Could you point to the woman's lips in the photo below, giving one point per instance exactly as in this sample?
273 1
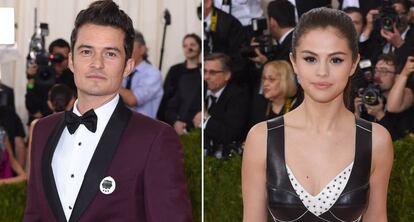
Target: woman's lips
322 85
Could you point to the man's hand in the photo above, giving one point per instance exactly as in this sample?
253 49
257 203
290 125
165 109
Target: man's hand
370 16
197 120
376 110
408 67
180 127
394 38
357 106
260 58
366 33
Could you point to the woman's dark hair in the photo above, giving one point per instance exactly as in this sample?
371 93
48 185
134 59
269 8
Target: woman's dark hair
324 18
106 13
60 96
195 37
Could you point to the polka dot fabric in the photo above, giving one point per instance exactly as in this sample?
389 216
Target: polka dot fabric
325 199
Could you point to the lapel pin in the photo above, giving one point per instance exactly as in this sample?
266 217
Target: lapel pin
107 185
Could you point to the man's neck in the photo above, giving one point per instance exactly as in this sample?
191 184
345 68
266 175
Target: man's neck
88 102
282 32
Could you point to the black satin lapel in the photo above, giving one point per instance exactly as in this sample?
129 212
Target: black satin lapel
49 185
101 159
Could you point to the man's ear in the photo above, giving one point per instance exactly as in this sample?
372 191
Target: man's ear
128 67
70 62
272 22
355 65
49 104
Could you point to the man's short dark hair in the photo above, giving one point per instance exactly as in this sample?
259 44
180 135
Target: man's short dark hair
58 43
106 13
222 58
389 59
283 12
352 9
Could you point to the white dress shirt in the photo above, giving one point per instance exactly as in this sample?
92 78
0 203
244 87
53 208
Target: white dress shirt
350 3
74 153
243 10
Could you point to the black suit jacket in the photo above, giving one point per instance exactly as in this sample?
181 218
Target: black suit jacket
285 48
228 117
228 39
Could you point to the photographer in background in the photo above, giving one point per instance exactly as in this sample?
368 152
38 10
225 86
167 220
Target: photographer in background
388 31
401 95
371 104
40 79
281 22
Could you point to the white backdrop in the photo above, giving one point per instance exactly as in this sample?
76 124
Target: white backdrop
60 15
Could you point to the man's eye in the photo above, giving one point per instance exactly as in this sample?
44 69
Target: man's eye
309 59
85 52
111 54
336 60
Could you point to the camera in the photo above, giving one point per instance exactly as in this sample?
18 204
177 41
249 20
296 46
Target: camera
264 41
38 55
387 16
372 92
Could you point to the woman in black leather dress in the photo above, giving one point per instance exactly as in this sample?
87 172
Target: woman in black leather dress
318 162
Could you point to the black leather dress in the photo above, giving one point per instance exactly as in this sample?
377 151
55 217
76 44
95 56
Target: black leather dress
283 202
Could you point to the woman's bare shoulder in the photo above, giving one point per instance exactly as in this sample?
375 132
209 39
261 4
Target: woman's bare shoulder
256 139
382 147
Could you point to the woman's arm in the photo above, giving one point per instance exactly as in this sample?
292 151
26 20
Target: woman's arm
254 175
21 175
382 159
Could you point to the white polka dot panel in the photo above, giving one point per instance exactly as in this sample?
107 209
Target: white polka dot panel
325 199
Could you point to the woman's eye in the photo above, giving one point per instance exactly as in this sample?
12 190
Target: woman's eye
336 60
310 59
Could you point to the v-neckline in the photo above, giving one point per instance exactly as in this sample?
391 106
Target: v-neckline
343 171
353 160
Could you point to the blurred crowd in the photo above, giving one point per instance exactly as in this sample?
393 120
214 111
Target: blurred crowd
249 77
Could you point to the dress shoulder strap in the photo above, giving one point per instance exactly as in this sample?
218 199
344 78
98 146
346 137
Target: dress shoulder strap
363 154
275 158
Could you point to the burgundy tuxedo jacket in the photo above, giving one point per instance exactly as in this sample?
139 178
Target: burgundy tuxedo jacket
143 156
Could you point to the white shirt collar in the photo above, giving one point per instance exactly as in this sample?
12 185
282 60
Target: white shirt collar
284 36
217 94
207 20
103 112
403 34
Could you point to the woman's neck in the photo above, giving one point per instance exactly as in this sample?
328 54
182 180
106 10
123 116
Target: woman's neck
277 104
323 117
192 63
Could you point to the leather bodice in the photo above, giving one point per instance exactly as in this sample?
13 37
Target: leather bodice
283 202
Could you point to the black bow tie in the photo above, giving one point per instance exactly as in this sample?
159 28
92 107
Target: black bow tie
89 119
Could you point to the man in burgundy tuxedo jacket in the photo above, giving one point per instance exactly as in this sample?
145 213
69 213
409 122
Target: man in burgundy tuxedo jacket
103 162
